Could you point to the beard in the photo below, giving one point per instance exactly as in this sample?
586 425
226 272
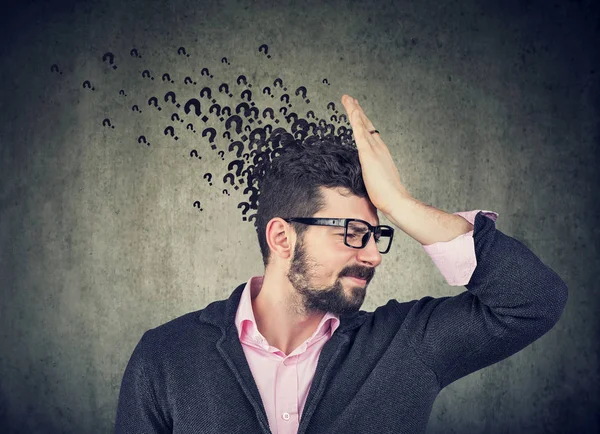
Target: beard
344 297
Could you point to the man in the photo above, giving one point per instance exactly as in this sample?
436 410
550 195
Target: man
291 352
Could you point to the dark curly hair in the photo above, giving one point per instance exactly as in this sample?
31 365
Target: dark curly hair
289 183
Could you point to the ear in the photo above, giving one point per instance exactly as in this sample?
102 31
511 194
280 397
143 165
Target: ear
281 238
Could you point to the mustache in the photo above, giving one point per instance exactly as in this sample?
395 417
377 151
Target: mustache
366 275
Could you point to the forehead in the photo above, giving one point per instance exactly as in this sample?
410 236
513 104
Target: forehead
341 203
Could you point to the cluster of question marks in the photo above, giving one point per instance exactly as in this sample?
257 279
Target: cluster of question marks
170 97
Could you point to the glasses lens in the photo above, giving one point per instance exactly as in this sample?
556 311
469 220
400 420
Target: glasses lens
357 233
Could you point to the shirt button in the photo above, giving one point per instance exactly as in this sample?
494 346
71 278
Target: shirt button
286 416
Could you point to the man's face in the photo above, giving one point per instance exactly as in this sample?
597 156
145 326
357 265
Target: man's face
321 264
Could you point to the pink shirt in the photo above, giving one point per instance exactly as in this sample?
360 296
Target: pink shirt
284 380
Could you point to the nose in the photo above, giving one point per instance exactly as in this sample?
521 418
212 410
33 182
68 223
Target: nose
370 253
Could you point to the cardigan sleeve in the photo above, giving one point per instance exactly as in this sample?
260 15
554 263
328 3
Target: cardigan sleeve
137 409
512 299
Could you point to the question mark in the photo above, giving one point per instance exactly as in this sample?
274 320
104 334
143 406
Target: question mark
209 176
266 50
110 56
106 122
302 90
246 206
54 68
197 202
181 50
89 85
155 100
326 81
143 139
221 155
172 131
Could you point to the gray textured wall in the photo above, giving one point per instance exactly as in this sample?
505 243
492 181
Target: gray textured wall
484 105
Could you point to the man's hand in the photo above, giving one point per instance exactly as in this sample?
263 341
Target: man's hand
379 172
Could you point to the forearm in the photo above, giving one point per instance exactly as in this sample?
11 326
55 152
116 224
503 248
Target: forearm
424 223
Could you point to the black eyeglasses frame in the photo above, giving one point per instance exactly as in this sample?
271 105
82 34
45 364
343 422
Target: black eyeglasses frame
321 221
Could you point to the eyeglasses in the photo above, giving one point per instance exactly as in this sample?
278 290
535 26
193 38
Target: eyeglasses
356 232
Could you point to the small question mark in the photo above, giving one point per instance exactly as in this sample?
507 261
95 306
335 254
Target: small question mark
89 85
266 50
197 202
54 68
226 192
111 56
181 50
106 123
221 154
155 100
224 60
143 139
135 108
209 176
122 92
171 130
195 153
326 81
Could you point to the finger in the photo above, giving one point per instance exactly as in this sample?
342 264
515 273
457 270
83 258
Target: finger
365 120
374 139
356 121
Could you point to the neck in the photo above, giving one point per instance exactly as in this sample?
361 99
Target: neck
279 314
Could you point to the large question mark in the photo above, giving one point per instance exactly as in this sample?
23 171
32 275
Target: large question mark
246 206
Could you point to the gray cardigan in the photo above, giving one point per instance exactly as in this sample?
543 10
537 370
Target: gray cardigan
379 373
